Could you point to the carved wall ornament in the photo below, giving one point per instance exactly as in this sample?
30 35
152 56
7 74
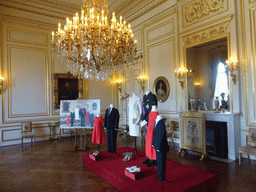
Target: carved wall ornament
210 33
201 9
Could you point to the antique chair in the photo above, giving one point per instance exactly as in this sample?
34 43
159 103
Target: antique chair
171 126
250 148
26 132
123 132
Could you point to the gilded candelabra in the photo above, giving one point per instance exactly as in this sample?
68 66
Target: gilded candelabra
142 80
232 67
181 75
93 48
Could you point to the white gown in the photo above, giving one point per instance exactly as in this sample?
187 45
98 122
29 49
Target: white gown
135 108
77 114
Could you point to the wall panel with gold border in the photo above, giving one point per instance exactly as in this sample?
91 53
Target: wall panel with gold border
161 57
248 20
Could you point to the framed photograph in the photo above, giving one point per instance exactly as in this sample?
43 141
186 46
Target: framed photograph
66 87
78 113
161 89
26 127
193 132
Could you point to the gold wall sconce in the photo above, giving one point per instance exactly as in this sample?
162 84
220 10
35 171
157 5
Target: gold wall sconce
1 83
232 66
181 75
118 83
142 80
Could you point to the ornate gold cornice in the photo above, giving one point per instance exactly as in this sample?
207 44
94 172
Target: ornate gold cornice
210 33
148 10
31 11
201 9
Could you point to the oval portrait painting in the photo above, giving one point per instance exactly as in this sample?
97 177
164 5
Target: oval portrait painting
161 89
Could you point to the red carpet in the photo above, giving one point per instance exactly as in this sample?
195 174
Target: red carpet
182 177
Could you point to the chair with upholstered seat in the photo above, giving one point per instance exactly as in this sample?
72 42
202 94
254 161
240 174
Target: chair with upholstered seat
250 148
26 132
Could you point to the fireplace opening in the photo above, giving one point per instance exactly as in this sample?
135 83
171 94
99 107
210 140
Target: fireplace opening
216 139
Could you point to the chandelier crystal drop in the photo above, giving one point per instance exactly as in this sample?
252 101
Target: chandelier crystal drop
91 48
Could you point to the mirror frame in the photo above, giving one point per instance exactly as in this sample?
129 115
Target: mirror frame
185 47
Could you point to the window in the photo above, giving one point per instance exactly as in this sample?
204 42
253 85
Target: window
221 82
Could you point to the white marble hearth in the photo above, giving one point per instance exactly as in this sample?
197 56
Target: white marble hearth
233 130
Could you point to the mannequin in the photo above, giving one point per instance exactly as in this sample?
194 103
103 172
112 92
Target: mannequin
149 99
161 146
134 115
82 114
111 122
77 115
98 135
150 151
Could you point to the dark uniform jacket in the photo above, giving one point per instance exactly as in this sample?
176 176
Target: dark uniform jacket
148 101
111 121
160 139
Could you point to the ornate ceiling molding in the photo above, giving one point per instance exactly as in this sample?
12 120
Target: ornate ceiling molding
210 33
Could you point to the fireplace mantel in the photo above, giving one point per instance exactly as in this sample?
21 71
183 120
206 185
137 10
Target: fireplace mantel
233 129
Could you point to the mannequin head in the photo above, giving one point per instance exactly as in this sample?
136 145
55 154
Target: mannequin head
153 108
147 92
158 118
111 105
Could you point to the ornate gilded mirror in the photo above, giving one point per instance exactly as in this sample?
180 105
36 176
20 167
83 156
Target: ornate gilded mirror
210 80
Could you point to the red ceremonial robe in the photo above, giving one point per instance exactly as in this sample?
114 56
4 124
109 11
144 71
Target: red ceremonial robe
150 151
98 135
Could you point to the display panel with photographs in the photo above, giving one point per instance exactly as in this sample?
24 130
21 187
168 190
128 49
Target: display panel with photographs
78 113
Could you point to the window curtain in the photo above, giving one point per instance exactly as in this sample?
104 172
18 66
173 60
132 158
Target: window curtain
216 56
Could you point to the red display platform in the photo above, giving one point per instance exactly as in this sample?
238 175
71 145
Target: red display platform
95 158
182 177
133 176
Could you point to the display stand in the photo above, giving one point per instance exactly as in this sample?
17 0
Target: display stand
113 155
135 149
162 182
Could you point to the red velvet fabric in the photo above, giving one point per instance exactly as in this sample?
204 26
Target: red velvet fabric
182 177
150 151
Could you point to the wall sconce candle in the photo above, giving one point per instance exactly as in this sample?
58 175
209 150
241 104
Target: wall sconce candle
119 84
181 74
142 80
232 67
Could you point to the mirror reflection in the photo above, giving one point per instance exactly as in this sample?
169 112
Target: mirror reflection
208 88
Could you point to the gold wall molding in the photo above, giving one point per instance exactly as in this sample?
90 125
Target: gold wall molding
14 139
148 10
46 7
172 41
252 1
167 112
9 83
17 38
157 27
21 21
207 35
200 10
31 11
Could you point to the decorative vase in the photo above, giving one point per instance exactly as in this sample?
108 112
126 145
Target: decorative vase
192 104
217 103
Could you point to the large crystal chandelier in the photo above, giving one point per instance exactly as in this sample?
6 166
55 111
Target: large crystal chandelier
91 47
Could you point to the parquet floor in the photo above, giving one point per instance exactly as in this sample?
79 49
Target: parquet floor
55 166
